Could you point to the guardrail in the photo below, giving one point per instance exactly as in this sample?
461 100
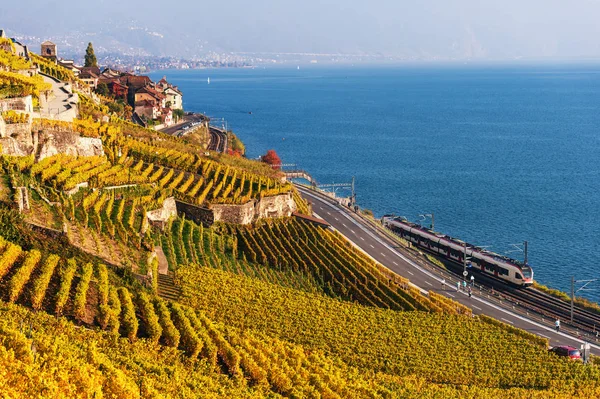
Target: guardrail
495 297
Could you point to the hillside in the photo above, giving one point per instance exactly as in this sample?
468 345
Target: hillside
157 269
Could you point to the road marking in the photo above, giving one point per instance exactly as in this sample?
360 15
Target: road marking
353 232
409 272
369 233
476 307
344 224
449 294
382 254
427 282
394 263
508 321
371 246
329 213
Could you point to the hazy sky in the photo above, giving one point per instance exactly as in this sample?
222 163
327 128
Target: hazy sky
486 29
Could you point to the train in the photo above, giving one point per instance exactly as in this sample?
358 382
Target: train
452 249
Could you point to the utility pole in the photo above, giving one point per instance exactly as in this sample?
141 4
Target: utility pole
525 251
432 221
572 296
353 193
582 288
465 262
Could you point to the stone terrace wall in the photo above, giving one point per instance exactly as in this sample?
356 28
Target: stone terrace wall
268 207
238 214
24 104
198 214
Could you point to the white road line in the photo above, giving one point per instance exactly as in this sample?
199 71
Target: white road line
542 335
427 282
394 262
508 321
371 246
382 254
449 294
481 300
344 224
339 219
329 213
353 232
475 307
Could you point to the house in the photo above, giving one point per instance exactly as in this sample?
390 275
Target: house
148 93
147 109
172 93
166 117
133 83
89 75
174 97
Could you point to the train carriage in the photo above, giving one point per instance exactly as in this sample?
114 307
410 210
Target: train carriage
487 262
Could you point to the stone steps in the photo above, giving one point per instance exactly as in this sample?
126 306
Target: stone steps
167 288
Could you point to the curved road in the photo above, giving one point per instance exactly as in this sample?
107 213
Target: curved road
386 252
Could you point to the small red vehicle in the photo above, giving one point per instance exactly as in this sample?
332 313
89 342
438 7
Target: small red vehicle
566 351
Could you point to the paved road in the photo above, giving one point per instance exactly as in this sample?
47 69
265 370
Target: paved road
62 105
385 251
182 127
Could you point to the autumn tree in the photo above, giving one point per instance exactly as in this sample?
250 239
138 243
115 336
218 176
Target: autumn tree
90 57
272 159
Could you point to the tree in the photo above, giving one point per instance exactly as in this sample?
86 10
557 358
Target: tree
102 89
272 159
90 57
178 114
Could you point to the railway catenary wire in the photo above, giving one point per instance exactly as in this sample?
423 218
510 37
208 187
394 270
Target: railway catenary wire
530 299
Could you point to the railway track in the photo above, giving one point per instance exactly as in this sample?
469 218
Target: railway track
218 140
532 301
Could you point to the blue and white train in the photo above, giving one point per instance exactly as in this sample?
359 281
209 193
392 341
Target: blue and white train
499 266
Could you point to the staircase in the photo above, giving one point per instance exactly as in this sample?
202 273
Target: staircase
167 288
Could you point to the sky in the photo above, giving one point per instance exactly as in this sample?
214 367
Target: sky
432 29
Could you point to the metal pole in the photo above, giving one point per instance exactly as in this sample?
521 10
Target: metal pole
432 221
353 194
525 250
465 261
572 296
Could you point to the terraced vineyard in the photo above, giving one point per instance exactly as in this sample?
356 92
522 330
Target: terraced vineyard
442 348
187 243
345 272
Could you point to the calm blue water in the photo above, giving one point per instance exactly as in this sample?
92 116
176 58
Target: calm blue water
500 155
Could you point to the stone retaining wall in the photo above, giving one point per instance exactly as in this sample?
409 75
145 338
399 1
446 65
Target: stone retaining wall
269 207
196 213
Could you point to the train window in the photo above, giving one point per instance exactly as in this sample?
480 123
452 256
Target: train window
502 271
518 276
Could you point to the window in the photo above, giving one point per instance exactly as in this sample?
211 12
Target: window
502 271
518 276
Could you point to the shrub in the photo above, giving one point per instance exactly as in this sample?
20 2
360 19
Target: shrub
40 285
80 299
129 323
149 317
66 278
170 335
192 345
21 277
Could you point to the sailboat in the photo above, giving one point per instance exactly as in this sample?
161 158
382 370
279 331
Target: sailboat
208 81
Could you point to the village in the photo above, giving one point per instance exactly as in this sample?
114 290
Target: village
156 105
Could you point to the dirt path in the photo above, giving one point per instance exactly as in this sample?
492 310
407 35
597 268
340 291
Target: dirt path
163 265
